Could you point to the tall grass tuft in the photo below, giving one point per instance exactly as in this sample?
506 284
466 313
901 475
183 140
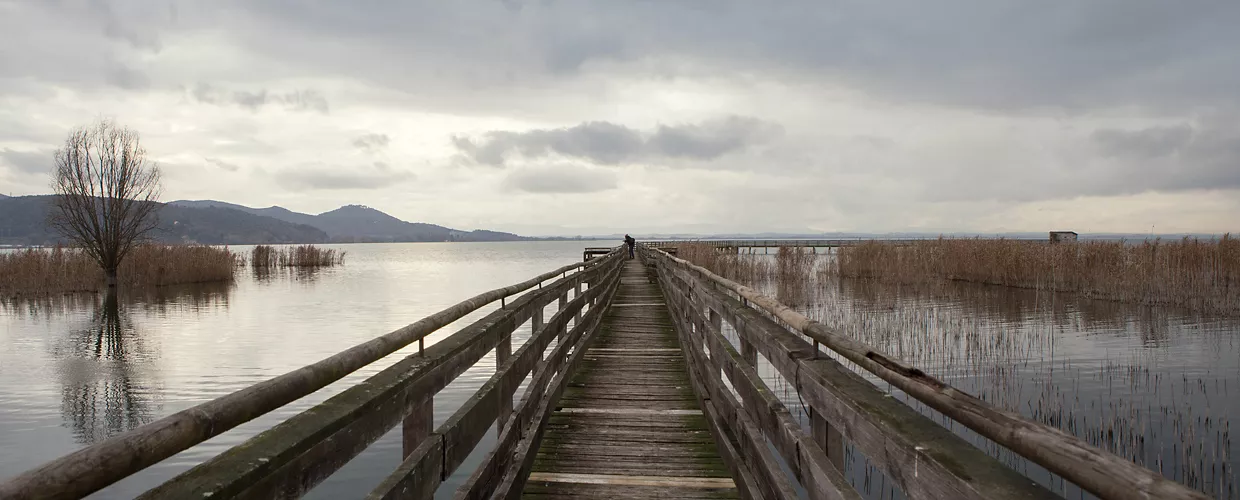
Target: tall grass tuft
266 257
1203 275
40 271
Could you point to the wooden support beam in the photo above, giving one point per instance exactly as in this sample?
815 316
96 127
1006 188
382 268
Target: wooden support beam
502 352
417 426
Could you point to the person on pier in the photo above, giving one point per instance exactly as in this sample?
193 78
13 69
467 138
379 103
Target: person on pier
630 242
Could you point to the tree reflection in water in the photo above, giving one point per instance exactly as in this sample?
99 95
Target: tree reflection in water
103 391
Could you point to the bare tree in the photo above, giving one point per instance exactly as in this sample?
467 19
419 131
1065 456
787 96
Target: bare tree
106 192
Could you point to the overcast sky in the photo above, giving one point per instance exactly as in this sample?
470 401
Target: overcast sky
567 117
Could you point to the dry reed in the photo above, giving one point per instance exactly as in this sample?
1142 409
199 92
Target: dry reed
1200 274
748 269
266 256
789 274
40 271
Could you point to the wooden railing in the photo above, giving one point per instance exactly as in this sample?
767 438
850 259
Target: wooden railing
802 243
297 454
924 459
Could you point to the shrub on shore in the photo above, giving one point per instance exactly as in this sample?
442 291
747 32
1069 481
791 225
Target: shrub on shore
40 271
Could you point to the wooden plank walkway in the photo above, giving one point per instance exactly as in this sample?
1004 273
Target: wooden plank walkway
628 424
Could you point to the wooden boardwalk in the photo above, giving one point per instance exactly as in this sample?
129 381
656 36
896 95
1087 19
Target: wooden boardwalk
628 424
616 408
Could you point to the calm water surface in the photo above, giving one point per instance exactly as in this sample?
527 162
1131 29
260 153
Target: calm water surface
1158 386
71 375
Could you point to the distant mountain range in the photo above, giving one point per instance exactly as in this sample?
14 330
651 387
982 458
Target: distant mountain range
359 223
23 221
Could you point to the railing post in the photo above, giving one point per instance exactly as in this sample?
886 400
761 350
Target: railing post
503 351
563 306
748 352
577 293
828 437
417 425
536 324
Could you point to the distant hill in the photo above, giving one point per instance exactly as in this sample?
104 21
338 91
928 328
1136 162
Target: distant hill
358 223
23 221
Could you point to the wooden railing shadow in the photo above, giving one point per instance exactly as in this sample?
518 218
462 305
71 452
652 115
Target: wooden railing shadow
289 459
923 458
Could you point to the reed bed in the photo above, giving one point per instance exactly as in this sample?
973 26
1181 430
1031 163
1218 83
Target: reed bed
42 271
266 256
1203 275
743 268
789 274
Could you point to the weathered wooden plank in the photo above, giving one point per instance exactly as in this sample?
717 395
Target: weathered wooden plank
87 470
417 425
482 482
525 451
559 490
618 480
465 428
809 461
597 430
417 477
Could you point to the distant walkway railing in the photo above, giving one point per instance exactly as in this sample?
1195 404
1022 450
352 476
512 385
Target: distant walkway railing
795 243
924 459
295 455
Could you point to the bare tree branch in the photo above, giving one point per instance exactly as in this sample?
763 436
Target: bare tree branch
106 193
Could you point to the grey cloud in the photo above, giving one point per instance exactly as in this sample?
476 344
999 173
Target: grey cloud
1108 162
372 142
712 139
297 100
230 167
323 177
136 23
28 162
1144 144
991 54
127 78
1172 158
610 144
560 179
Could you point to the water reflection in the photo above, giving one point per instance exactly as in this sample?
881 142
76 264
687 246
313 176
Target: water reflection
105 382
305 275
159 300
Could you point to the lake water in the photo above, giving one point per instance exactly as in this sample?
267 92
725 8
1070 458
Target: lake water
1156 385
70 376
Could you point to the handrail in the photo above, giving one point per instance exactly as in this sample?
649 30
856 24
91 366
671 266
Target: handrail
1101 473
92 468
445 449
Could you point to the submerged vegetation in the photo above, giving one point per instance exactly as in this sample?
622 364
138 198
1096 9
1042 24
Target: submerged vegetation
42 271
1203 275
266 257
